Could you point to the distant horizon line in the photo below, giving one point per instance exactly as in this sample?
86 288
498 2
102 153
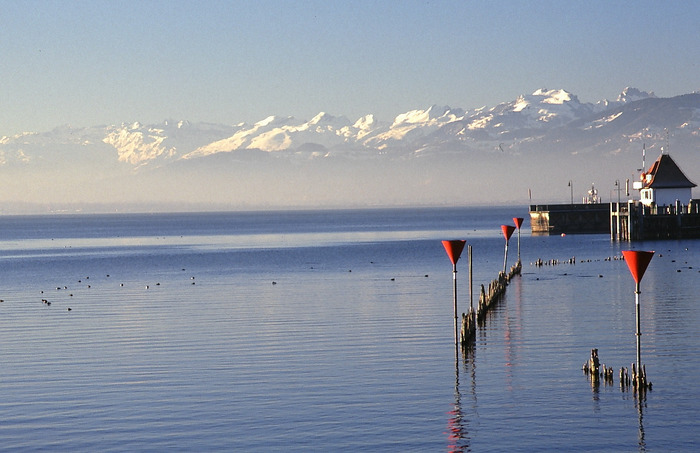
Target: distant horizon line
37 208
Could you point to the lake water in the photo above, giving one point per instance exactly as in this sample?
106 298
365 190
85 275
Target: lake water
333 331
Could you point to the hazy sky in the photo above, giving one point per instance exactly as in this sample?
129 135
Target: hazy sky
94 62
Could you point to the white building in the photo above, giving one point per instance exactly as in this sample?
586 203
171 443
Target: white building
664 183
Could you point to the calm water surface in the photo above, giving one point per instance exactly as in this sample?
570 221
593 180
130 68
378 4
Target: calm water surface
332 331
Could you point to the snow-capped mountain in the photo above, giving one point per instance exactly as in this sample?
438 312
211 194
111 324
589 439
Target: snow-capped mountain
279 134
525 118
192 157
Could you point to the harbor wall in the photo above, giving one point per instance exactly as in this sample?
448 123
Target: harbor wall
570 218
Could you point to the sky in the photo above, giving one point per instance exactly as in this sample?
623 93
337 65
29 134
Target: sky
87 63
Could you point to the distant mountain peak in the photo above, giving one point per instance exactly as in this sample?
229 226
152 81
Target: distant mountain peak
630 94
432 113
365 122
554 96
321 117
267 121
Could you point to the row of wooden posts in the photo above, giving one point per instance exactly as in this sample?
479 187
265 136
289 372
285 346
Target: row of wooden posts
596 371
487 297
637 262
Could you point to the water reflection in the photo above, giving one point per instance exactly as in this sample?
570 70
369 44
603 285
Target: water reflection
641 403
513 329
458 439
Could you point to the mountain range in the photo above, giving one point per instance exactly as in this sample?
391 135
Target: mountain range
523 151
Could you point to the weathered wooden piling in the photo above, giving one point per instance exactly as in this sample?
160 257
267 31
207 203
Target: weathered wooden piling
481 309
468 332
624 377
608 374
592 366
637 380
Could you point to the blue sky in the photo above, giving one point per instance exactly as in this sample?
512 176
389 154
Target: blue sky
93 62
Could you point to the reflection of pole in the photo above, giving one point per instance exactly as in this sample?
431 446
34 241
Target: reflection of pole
639 331
640 407
455 424
454 278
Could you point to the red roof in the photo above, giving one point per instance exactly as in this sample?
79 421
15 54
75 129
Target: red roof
665 174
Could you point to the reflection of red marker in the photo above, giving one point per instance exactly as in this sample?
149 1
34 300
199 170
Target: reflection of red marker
637 262
454 250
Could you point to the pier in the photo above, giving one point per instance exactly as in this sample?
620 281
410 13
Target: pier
634 221
665 209
577 218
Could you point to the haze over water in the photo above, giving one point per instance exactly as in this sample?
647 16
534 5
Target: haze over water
332 330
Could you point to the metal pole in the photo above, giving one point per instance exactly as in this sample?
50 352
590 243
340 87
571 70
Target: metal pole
619 233
505 258
471 287
571 184
639 330
618 221
518 245
454 278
